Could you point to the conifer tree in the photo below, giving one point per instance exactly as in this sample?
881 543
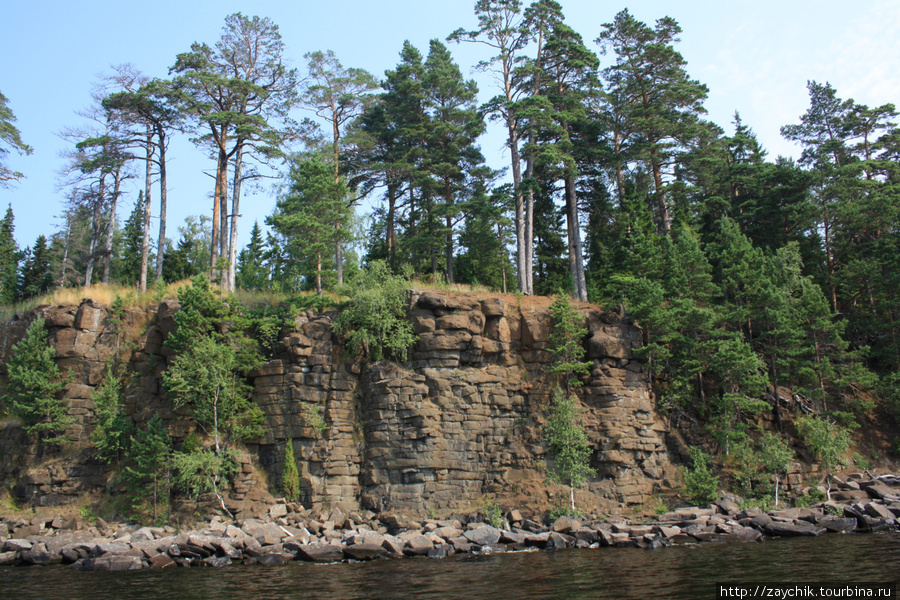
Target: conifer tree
9 260
657 98
36 278
313 215
252 273
34 384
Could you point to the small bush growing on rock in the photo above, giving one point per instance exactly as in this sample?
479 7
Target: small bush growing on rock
700 485
492 513
374 321
290 476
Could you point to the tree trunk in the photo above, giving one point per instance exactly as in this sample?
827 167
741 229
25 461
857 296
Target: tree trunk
95 235
576 260
662 209
449 250
318 273
111 228
391 241
145 237
520 209
338 245
235 213
221 182
163 196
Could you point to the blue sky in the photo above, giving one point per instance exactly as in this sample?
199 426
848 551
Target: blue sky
755 57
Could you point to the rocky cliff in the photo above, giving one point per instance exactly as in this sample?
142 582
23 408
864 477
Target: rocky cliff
461 420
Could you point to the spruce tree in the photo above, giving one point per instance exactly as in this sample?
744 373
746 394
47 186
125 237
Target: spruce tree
9 260
252 273
36 276
34 385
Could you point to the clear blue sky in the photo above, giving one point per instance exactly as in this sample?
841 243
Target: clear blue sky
755 57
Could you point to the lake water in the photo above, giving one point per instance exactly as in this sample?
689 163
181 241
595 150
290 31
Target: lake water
674 572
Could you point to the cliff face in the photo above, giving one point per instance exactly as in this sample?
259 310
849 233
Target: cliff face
459 421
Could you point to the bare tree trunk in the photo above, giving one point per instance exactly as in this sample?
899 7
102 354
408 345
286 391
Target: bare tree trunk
576 260
145 238
111 228
65 257
663 219
235 213
521 269
391 241
318 273
449 250
95 237
163 197
218 200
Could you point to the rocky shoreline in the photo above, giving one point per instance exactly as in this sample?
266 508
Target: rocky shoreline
289 532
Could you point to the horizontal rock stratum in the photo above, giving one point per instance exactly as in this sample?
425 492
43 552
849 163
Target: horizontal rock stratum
460 420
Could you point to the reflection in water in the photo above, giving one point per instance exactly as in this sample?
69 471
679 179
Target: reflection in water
676 572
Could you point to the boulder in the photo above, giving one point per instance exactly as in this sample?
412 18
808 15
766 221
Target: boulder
272 560
878 511
111 562
566 525
798 528
321 553
364 551
483 536
216 561
837 524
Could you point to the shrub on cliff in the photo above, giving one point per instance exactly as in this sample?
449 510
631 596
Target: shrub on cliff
569 445
700 484
566 343
34 383
290 476
374 322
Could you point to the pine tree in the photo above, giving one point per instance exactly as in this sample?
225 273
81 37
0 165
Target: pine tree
655 96
313 215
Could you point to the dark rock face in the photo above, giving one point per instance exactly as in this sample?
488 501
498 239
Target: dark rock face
459 420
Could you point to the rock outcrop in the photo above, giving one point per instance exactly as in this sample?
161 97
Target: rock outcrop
461 419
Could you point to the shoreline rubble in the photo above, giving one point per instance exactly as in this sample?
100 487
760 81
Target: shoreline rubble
289 532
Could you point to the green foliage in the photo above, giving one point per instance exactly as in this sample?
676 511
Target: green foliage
561 508
811 498
290 476
828 441
566 342
374 322
700 484
568 443
313 216
34 384
113 431
492 512
147 472
204 378
213 354
312 418
203 472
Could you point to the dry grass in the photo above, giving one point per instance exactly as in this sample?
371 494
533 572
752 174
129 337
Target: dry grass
456 288
132 298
